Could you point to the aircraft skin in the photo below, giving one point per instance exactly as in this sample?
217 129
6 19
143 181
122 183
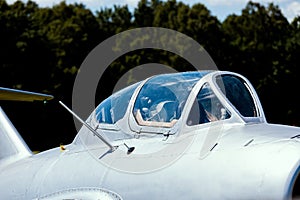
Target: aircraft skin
237 156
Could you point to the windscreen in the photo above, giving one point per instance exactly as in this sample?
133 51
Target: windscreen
114 108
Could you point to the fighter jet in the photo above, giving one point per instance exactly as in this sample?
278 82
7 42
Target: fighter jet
188 135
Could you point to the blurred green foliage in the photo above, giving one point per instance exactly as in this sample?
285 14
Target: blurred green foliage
42 50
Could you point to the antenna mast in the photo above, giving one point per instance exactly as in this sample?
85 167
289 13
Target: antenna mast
112 148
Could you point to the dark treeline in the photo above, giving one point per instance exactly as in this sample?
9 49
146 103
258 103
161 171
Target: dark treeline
42 49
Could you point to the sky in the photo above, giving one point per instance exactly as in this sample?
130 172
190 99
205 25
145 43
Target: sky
219 8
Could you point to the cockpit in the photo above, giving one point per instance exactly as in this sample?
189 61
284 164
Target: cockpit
178 100
161 100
